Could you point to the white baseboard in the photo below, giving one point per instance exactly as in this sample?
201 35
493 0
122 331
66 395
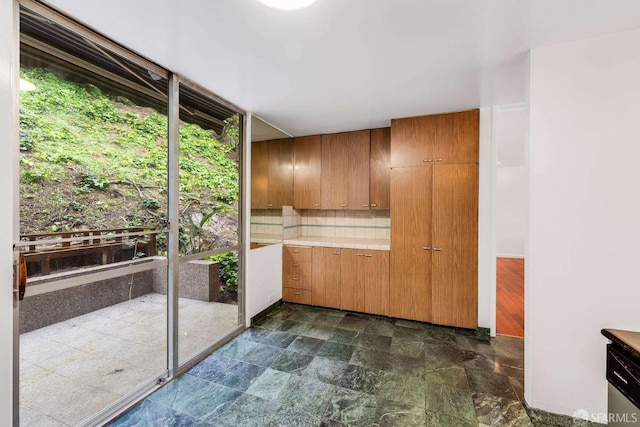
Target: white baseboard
509 256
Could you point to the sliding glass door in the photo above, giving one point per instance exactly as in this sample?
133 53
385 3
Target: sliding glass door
209 156
129 222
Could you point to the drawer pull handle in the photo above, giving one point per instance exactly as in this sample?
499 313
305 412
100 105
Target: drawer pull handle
426 160
359 254
317 205
373 205
365 206
270 204
296 264
295 251
336 253
437 249
437 160
296 278
296 293
426 248
343 206
368 256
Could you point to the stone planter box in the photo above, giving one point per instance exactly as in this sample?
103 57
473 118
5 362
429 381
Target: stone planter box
199 280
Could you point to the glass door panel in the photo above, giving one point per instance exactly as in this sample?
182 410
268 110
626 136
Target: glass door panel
93 224
209 163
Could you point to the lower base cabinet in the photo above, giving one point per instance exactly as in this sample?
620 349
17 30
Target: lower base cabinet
298 296
365 281
346 279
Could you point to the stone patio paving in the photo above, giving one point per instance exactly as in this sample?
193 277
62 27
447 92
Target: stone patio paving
73 369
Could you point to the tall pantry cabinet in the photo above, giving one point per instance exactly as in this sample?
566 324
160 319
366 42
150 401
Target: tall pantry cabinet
434 219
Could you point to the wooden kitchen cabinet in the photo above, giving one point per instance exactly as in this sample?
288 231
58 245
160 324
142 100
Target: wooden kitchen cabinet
457 137
272 174
376 279
434 244
365 281
352 280
326 277
455 245
359 164
307 182
296 274
439 138
259 175
380 169
318 277
346 279
345 170
297 296
410 266
412 141
335 170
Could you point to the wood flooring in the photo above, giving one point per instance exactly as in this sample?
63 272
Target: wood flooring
510 297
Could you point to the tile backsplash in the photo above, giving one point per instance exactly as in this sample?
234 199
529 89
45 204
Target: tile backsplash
266 221
358 224
291 223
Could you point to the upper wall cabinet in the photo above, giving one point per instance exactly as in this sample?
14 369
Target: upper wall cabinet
380 169
440 138
307 172
272 174
345 170
259 175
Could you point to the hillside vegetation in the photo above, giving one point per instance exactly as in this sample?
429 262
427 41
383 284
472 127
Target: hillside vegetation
91 160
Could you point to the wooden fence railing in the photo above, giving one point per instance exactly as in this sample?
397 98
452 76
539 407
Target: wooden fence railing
76 249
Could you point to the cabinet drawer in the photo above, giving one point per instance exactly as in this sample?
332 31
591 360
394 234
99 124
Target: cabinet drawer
296 268
296 254
299 296
297 282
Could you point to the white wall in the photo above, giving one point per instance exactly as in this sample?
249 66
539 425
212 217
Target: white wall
7 148
510 129
263 269
584 227
486 233
264 278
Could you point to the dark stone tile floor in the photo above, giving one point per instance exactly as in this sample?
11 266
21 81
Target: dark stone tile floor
307 366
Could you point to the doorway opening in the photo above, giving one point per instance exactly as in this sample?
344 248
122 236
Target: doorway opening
509 128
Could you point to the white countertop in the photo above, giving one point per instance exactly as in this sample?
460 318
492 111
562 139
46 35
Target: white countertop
339 242
265 238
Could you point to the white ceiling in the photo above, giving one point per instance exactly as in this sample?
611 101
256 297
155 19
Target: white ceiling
352 64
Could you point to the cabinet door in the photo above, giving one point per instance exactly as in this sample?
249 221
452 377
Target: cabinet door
259 175
457 139
335 170
353 279
380 169
318 277
307 178
412 141
376 279
358 170
332 261
455 245
280 173
410 276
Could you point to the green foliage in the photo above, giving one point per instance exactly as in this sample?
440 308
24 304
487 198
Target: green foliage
228 269
80 141
151 203
32 175
194 238
90 181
